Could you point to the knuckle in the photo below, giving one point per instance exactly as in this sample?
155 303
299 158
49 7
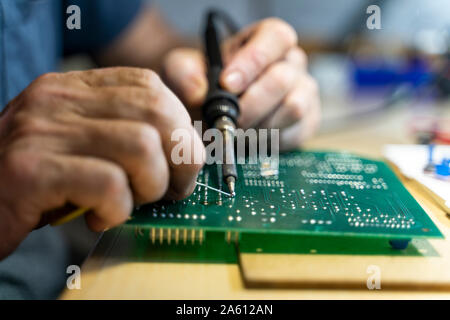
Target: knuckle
283 30
296 111
34 94
249 102
152 102
24 126
43 94
146 102
40 88
296 105
164 109
21 166
258 58
298 56
46 77
150 79
280 76
115 182
146 138
130 96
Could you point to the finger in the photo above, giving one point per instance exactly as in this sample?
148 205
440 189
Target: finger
134 146
160 108
268 43
233 44
298 57
52 180
300 100
294 136
185 72
264 96
95 184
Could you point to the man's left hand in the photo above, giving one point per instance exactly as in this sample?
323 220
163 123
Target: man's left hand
266 68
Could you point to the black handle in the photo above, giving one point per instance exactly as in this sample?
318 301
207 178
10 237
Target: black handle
218 102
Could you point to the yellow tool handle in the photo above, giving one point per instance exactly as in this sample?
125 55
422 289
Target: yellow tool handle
69 217
61 215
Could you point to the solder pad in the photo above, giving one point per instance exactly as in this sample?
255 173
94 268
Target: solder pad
311 193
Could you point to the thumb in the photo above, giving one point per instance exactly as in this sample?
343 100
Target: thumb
185 73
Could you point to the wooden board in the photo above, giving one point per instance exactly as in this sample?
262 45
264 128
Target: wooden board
316 270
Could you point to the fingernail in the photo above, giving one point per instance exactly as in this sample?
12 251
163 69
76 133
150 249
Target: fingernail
234 81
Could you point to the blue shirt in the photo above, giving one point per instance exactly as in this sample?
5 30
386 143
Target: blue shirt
33 38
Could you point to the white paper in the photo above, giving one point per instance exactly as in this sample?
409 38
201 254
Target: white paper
411 160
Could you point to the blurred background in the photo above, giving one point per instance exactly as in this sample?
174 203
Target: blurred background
360 71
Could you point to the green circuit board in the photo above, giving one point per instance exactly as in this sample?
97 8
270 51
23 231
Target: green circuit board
303 193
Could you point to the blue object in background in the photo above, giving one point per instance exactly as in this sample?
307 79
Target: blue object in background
370 73
430 153
443 169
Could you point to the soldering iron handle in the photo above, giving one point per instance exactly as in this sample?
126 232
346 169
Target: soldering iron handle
218 102
212 44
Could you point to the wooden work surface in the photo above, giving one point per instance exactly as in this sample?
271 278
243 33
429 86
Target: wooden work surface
104 277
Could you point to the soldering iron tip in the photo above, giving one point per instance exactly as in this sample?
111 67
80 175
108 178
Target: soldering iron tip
231 185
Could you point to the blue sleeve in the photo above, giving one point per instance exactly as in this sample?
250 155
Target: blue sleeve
101 23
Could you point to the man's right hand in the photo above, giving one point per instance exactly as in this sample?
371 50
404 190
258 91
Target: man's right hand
99 139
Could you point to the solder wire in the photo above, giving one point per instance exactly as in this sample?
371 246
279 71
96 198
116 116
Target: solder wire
217 190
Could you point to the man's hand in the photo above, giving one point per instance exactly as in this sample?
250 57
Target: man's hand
98 139
264 65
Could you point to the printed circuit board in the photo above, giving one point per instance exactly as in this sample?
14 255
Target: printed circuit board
303 193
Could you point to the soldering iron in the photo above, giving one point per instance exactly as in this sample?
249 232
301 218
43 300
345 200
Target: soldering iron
221 108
